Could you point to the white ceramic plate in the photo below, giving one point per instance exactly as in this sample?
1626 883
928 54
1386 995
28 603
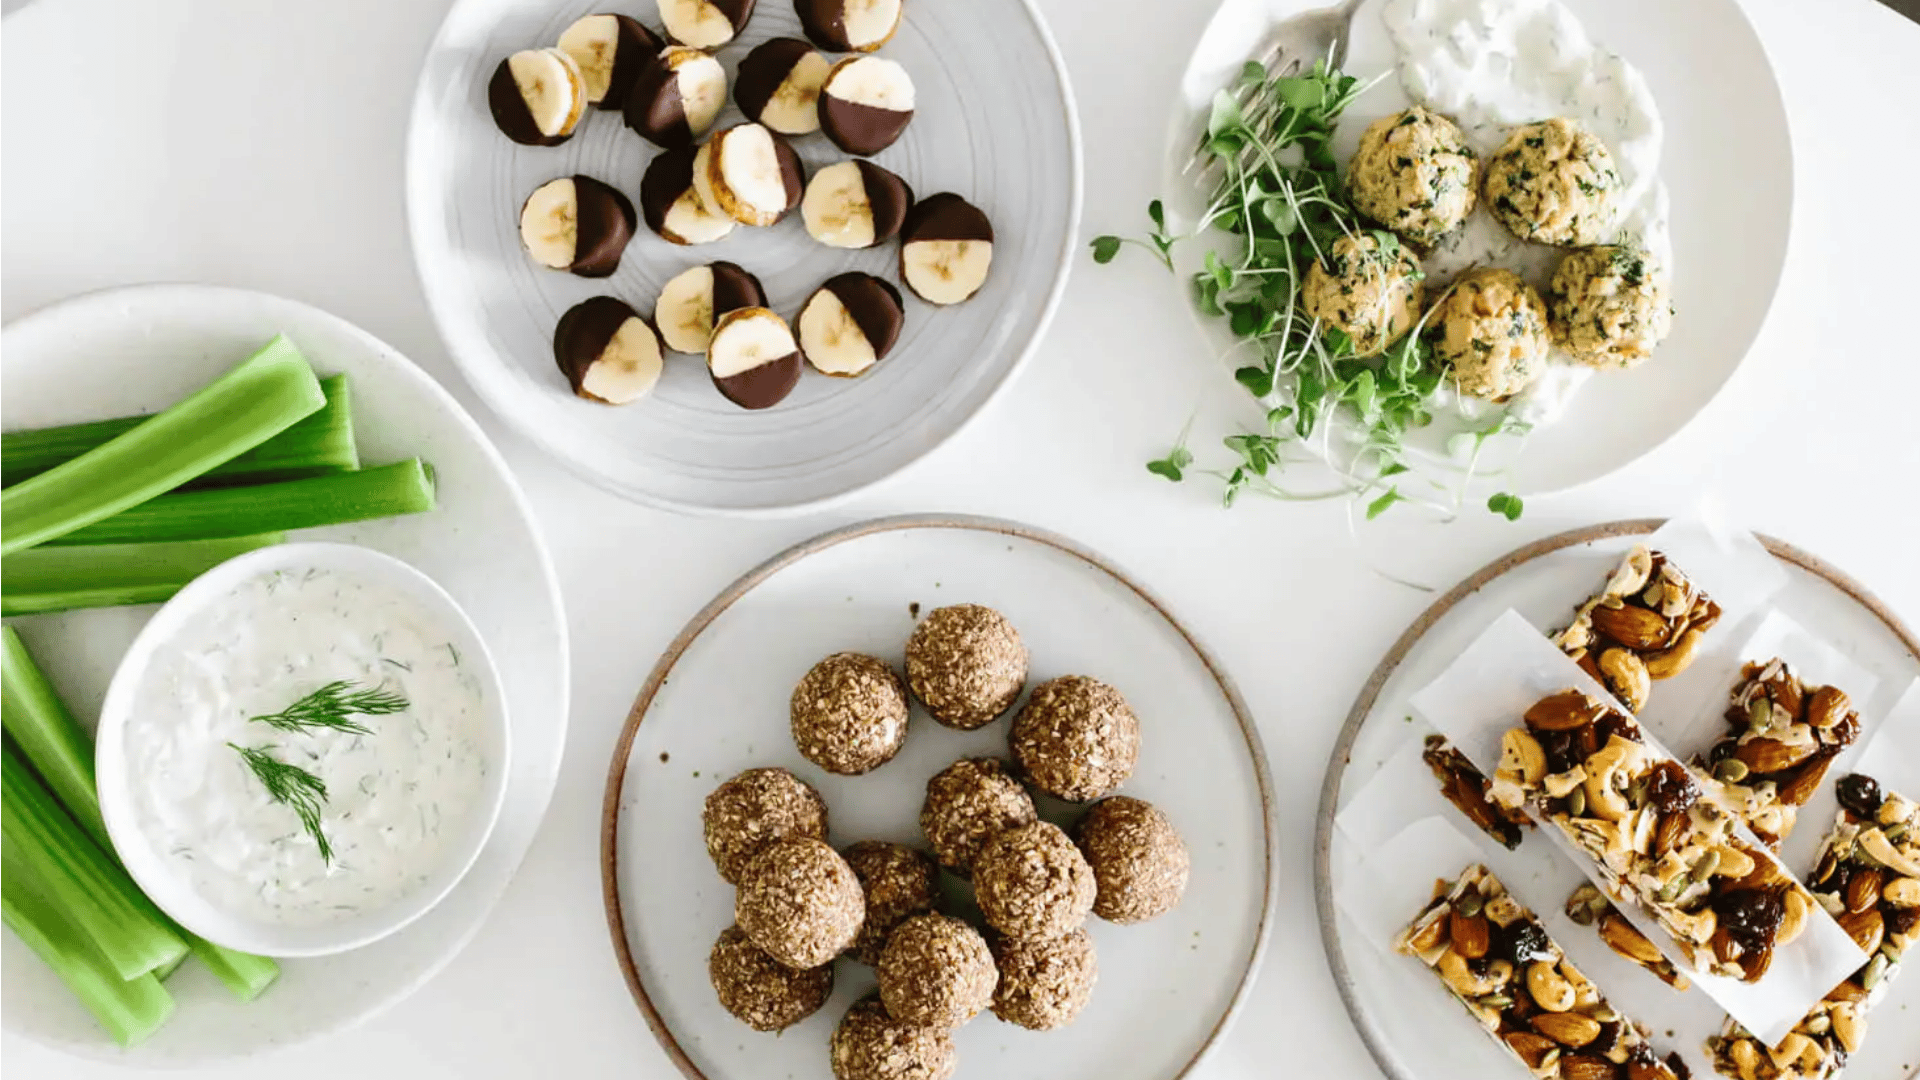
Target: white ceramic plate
994 121
140 349
1414 1029
717 704
1728 166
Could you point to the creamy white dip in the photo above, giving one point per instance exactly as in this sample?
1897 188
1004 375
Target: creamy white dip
397 799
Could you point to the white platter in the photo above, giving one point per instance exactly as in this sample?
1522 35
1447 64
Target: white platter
994 121
1413 1028
1728 166
717 703
140 349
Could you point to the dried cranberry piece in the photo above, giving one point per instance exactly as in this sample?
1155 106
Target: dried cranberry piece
1521 943
1751 917
1670 789
1860 794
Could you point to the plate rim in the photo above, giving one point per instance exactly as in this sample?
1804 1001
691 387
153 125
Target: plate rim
412 372
1415 632
414 196
752 579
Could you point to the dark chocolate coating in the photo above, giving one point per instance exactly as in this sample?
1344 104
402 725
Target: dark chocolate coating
762 387
875 306
860 129
736 11
583 333
763 70
510 112
888 198
945 216
603 225
825 23
791 172
654 109
734 288
668 177
634 50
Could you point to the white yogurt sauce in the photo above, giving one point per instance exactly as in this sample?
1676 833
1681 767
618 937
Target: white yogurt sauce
397 799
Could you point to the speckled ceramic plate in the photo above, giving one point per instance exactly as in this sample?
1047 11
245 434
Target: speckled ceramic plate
717 703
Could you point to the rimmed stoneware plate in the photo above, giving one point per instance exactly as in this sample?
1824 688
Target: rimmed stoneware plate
993 121
1728 166
140 349
1414 1030
717 703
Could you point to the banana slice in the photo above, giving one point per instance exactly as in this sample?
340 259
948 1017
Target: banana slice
850 324
849 25
705 24
753 358
855 204
577 223
748 173
537 97
673 207
611 51
946 248
778 86
866 102
675 99
692 299
607 351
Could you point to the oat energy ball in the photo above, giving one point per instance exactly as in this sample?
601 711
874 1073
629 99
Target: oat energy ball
1608 306
967 803
966 664
754 809
1367 289
1491 329
936 971
800 902
849 714
1139 862
1031 882
1554 182
1044 984
870 1045
758 990
1075 738
1415 174
898 882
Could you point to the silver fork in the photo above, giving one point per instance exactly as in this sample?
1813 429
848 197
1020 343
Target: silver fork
1296 43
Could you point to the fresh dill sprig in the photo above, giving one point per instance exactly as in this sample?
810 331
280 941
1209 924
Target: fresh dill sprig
331 706
292 787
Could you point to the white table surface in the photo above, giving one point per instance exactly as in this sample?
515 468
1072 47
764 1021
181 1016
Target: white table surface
260 144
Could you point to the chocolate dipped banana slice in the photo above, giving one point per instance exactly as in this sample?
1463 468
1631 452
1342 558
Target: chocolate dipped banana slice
705 24
611 52
691 301
849 25
855 204
608 351
673 208
866 102
850 324
578 224
753 358
749 174
778 86
676 98
946 248
537 97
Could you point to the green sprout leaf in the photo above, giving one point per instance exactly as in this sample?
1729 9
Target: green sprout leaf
1379 506
1172 466
1506 505
1105 248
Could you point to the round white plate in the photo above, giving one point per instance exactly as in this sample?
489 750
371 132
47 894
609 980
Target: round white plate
993 121
1413 1028
1728 167
717 704
141 349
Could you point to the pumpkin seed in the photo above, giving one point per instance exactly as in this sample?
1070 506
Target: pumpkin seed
1730 771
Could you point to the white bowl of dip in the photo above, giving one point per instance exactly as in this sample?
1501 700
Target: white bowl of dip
408 807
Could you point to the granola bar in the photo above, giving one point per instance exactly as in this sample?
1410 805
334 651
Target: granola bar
1782 734
1868 877
1466 788
1589 906
1656 842
1496 958
1647 623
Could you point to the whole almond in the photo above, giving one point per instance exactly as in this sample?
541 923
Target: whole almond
1567 1029
1469 935
1863 889
1634 627
1798 788
1866 928
1582 1067
1828 707
1625 939
1769 756
1564 711
1532 1049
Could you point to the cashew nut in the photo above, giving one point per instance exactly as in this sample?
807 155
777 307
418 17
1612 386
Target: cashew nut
1746 1058
1734 863
1793 919
1521 757
1503 910
1628 678
1848 1025
1876 844
1550 990
1697 927
1902 892
1789 1050
1605 799
1632 574
1676 658
1895 808
1458 974
1559 784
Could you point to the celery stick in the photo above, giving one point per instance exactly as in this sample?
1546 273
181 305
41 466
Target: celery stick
255 401
55 577
404 487
45 847
130 1009
317 445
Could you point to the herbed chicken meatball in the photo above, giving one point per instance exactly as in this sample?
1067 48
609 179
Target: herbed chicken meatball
1415 174
1369 287
1491 329
1554 182
1608 306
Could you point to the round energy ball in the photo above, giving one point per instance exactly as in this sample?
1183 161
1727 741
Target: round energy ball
800 902
754 809
1031 882
1491 329
1367 290
898 883
758 990
936 971
870 1045
1554 182
1044 984
1609 306
849 714
1075 738
1139 862
967 803
966 664
1415 174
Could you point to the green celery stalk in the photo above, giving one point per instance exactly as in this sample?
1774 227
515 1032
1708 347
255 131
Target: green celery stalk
57 577
248 405
130 1009
314 446
46 848
52 741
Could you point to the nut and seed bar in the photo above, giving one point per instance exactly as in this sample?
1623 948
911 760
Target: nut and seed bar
1868 877
1782 734
1496 958
1647 623
1466 788
1655 840
1588 906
